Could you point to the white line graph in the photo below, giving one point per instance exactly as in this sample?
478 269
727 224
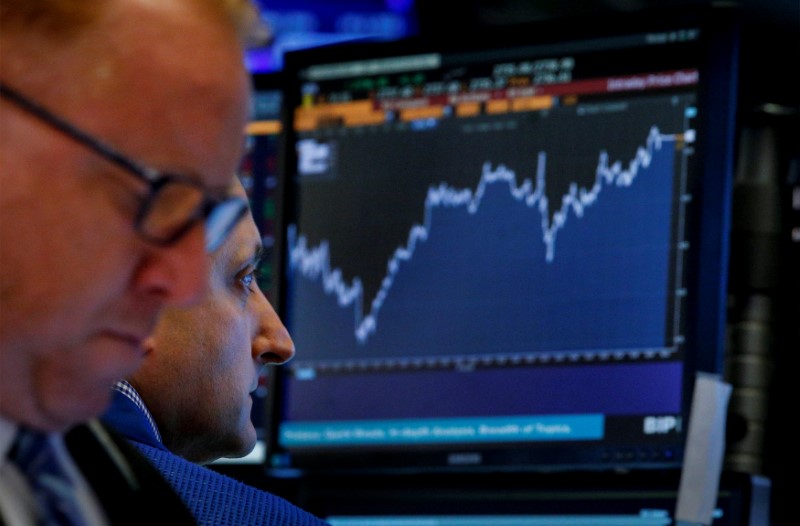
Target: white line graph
313 263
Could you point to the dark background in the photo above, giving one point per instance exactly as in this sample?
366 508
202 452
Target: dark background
764 304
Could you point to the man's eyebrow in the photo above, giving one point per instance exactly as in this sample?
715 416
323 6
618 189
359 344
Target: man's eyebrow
221 191
258 254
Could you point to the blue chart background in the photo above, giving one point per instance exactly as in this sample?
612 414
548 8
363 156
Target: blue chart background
479 292
480 283
608 389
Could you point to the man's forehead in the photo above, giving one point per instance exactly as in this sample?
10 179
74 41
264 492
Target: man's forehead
243 246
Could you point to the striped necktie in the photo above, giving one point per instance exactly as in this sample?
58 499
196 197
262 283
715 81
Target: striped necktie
56 501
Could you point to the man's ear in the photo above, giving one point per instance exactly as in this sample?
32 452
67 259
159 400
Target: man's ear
149 345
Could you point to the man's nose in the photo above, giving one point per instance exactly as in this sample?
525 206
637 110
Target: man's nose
178 273
272 344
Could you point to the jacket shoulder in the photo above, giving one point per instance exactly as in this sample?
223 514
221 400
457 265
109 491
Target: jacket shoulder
129 488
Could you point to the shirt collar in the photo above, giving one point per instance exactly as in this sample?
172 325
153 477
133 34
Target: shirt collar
127 390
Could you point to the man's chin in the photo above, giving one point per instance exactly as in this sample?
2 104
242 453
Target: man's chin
68 411
246 442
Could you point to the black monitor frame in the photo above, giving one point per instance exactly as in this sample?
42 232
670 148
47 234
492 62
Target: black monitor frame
705 261
643 498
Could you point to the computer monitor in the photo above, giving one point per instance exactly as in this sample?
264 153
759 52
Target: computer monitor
507 252
300 24
743 500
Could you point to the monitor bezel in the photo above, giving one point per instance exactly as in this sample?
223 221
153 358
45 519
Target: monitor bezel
707 264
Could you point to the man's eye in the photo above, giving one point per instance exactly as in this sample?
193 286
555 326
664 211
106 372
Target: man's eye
248 280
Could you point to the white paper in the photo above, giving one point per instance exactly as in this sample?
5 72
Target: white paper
705 449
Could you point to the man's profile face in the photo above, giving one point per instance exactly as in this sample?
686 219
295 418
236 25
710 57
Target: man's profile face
203 361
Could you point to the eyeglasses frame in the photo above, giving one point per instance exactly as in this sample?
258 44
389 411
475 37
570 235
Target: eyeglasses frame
156 179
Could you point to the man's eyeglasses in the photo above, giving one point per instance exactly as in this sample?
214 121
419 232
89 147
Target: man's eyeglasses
175 202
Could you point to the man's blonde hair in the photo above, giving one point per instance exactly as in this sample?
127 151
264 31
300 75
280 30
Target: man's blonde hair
61 19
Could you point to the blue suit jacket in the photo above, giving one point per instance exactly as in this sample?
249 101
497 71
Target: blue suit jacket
129 489
213 498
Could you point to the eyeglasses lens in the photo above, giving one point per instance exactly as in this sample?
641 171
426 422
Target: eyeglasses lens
223 217
172 207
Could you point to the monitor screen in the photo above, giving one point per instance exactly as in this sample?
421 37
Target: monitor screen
507 252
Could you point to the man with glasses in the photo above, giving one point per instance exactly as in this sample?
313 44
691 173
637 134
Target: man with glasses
121 126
